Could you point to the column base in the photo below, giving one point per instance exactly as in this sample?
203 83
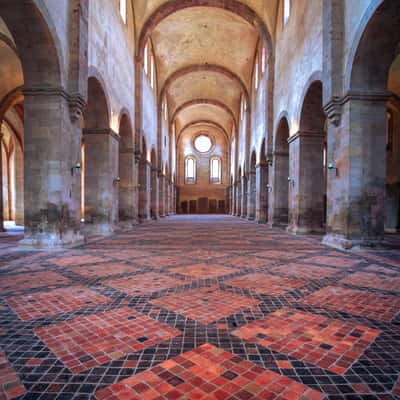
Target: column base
304 230
250 218
51 241
127 225
342 243
104 229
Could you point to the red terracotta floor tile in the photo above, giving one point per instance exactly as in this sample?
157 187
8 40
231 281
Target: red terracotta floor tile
382 270
146 283
396 388
85 342
206 305
202 254
247 262
31 281
203 270
365 304
306 271
266 284
329 343
340 262
10 384
126 255
76 260
45 304
278 255
162 261
208 372
102 270
365 279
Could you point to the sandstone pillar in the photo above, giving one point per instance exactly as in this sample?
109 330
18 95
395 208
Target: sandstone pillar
251 195
279 207
234 193
154 194
144 190
163 195
243 197
101 181
262 193
356 184
127 188
51 152
306 194
1 182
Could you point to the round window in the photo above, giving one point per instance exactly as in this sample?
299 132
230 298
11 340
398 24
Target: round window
203 144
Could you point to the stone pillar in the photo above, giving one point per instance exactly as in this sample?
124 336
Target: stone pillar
262 193
356 186
392 208
127 188
1 182
233 199
243 197
163 195
19 186
144 190
51 152
251 195
279 207
306 194
101 181
155 198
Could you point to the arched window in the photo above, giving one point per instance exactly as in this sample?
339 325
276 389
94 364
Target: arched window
122 10
146 59
263 60
190 170
256 73
215 170
152 73
286 11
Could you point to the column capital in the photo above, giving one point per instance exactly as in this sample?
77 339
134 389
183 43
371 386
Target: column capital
305 133
102 131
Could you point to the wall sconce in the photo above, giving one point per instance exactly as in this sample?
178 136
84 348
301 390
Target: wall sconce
77 167
291 181
269 188
117 180
332 167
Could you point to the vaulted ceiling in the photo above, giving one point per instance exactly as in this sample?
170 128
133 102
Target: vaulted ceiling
204 54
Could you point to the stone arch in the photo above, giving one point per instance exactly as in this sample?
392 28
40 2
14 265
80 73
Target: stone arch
374 48
312 117
203 122
203 67
97 111
212 102
42 60
234 6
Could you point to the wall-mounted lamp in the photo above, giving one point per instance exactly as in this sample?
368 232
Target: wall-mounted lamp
290 180
332 167
77 167
117 180
269 188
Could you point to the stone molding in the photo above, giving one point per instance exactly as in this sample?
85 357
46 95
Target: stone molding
76 101
102 131
129 150
304 133
333 109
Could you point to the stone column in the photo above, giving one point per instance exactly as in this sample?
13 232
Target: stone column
306 194
155 198
279 198
127 188
261 194
51 152
162 185
101 181
1 181
239 197
356 184
144 190
233 199
243 197
251 195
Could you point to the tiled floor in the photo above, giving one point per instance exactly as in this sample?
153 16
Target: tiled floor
199 307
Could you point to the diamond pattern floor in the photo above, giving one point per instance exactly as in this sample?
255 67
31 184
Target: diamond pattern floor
200 307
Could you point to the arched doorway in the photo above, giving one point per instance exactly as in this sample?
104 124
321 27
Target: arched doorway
251 189
280 194
101 163
126 173
307 187
361 147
